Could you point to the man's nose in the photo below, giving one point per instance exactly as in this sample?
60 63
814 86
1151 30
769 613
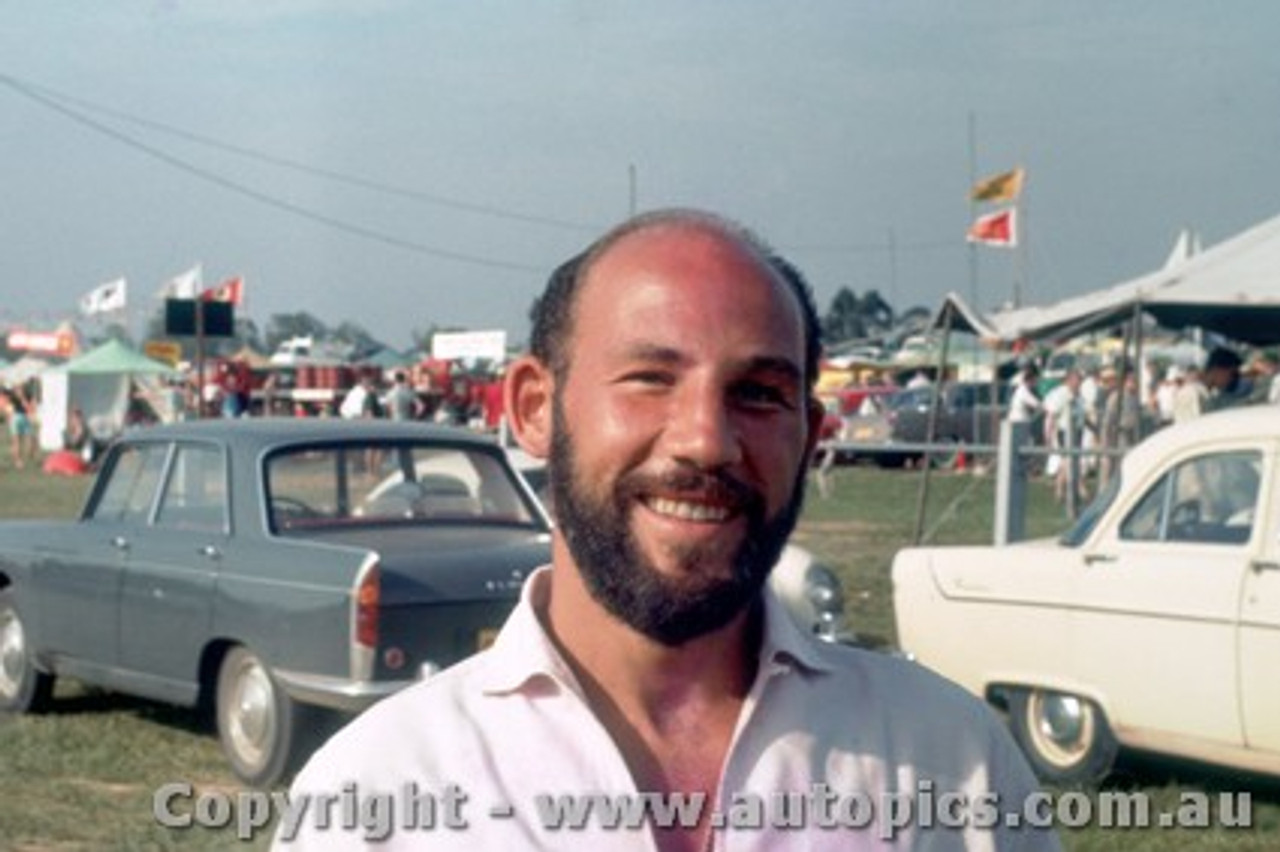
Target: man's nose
702 429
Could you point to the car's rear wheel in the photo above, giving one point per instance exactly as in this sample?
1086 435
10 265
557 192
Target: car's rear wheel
1066 737
23 688
258 724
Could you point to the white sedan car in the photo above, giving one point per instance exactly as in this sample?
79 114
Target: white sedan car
1154 623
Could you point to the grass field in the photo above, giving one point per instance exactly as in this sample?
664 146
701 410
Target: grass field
83 776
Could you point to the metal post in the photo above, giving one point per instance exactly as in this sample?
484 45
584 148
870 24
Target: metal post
1072 458
1011 484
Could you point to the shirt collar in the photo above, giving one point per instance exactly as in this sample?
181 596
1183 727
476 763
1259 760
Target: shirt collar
523 651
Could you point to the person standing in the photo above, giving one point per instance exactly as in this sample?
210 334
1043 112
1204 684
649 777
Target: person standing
1226 387
1064 430
402 402
1189 395
22 434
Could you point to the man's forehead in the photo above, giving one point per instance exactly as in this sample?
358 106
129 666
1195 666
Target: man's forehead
681 256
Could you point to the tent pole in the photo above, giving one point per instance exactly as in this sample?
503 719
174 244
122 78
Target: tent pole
199 315
939 385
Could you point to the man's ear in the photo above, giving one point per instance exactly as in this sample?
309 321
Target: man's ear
527 397
816 414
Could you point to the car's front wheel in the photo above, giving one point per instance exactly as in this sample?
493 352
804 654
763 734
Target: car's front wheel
1066 737
23 688
258 724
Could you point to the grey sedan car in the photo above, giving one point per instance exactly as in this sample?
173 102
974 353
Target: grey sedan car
266 569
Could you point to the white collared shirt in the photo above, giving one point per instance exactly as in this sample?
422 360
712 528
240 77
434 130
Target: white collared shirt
827 735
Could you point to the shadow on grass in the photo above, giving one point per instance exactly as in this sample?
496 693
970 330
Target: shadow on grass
88 701
1136 769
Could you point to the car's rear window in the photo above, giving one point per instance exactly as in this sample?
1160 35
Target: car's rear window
349 484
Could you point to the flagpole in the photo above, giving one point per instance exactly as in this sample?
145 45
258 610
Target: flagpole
973 210
1019 256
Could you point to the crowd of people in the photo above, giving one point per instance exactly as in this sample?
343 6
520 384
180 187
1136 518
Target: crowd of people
1102 412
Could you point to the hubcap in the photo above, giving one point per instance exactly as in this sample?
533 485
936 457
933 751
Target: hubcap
13 654
251 722
1062 725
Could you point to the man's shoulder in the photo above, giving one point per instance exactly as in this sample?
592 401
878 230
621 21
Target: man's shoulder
897 684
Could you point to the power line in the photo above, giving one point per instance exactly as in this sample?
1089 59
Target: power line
306 168
261 197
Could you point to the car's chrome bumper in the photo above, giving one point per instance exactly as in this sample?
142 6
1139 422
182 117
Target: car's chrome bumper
337 693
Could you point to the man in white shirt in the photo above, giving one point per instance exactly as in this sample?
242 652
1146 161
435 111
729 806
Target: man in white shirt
670 385
1025 403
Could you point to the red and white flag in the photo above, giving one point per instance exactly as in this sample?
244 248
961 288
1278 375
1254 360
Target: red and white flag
995 229
231 290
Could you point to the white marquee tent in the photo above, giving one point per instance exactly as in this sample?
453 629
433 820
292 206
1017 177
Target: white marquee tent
99 383
1232 288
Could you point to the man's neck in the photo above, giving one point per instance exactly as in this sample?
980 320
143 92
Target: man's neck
646 679
671 711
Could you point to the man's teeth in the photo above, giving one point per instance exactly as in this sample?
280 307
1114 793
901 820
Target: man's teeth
688 511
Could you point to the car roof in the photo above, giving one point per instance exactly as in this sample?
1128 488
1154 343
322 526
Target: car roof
1246 422
272 431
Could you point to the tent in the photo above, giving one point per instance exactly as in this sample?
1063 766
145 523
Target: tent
99 383
1232 288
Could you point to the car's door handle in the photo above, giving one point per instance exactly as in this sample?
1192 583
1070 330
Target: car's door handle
120 543
209 551
1094 558
1260 565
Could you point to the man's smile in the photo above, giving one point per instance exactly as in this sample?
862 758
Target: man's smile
688 510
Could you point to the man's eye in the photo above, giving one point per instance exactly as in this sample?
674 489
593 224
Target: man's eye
763 395
656 378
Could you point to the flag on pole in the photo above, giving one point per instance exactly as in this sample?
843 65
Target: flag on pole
231 290
185 285
995 229
1002 187
112 296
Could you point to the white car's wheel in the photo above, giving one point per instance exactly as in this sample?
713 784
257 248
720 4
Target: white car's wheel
258 723
23 688
1066 737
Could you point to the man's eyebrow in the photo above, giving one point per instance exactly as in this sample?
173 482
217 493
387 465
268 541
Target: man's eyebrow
657 353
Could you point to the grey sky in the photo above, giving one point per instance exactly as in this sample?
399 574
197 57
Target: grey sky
824 125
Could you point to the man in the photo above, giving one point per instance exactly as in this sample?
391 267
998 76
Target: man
1222 379
1264 370
1064 430
1189 399
402 402
1025 404
670 385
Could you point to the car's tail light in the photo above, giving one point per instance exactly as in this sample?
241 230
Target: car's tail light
367 599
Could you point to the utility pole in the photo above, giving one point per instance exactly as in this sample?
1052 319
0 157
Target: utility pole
631 175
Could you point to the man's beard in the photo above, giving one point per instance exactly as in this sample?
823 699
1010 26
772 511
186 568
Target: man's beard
622 579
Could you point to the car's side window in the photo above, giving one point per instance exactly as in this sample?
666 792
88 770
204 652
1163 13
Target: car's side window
195 497
130 490
1206 499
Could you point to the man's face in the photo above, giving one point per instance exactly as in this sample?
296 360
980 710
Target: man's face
1218 378
681 430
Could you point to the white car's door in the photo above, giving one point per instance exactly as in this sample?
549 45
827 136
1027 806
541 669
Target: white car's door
1159 593
1260 636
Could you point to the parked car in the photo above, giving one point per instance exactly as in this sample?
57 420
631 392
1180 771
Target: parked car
1153 623
263 569
965 415
855 417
